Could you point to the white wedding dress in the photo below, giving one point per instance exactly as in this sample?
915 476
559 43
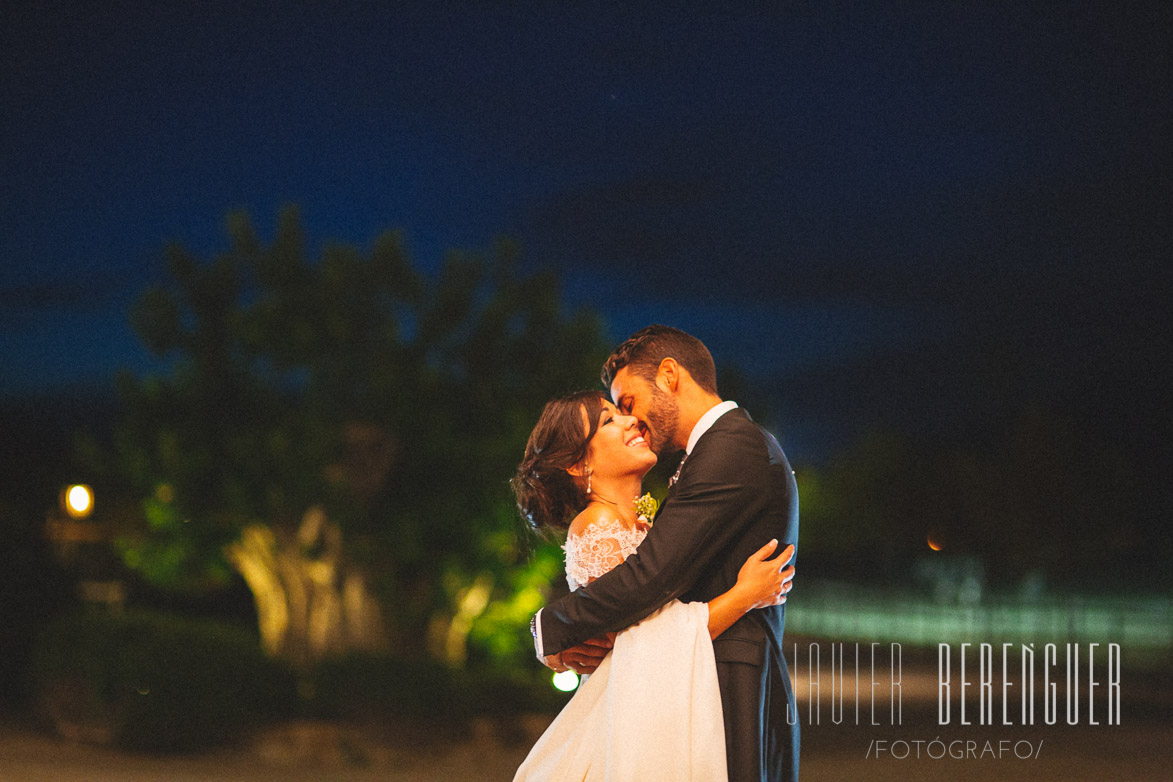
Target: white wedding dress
652 709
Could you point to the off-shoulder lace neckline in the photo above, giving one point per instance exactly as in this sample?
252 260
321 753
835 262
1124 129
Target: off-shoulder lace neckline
599 547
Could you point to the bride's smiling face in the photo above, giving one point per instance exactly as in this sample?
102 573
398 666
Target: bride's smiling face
618 447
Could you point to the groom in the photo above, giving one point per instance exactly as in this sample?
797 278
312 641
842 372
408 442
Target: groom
732 493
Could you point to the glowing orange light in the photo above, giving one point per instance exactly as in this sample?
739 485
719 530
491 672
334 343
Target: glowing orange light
79 501
934 544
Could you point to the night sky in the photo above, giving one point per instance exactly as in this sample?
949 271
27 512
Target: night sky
857 208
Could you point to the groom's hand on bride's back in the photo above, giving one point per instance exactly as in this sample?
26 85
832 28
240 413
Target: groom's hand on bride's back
584 658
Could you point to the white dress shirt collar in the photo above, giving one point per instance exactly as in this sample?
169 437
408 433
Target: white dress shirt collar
706 421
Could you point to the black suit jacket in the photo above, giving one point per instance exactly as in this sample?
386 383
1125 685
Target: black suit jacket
735 492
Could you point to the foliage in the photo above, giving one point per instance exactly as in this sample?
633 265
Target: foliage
155 682
1029 503
502 631
365 688
34 587
398 402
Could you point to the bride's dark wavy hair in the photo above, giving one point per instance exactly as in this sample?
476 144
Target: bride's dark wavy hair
548 496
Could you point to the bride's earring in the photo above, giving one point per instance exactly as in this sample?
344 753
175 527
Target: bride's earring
589 471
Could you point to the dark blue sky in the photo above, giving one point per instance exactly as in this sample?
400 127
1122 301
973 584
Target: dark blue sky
802 188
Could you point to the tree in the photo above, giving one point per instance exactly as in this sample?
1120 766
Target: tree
864 506
341 432
1043 498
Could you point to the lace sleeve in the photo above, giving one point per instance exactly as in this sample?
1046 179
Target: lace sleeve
597 549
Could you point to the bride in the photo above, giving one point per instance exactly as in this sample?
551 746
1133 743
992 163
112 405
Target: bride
652 708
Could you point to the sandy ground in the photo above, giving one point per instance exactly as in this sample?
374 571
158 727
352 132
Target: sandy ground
30 757
1123 754
1140 749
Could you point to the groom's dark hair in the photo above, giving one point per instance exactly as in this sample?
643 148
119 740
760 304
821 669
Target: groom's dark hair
645 349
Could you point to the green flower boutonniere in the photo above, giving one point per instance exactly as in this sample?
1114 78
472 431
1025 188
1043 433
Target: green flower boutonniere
646 507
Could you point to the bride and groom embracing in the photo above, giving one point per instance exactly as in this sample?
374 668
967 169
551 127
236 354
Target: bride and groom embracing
680 624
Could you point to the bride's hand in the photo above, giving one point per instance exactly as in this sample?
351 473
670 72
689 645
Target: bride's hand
763 582
585 657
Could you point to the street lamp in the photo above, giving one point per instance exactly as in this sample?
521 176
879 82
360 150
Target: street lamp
77 500
83 545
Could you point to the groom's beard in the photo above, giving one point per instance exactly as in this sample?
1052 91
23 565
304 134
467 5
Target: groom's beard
663 418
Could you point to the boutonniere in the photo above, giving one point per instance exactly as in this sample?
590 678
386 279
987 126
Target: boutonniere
646 507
